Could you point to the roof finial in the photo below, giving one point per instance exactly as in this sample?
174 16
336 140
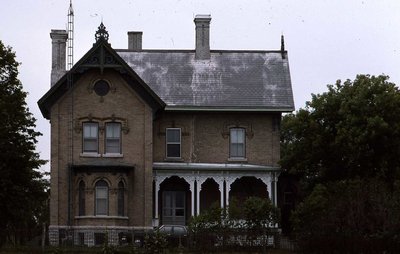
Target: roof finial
282 43
101 33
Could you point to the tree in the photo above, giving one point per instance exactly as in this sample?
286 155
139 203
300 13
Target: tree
351 131
356 216
345 149
23 189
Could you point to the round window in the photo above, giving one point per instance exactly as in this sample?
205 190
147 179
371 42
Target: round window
101 87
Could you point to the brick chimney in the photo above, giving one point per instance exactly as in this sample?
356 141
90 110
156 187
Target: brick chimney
135 40
58 54
202 23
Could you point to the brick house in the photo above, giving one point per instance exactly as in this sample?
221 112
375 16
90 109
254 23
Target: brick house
141 138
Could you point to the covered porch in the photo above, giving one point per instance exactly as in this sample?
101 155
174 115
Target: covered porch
183 190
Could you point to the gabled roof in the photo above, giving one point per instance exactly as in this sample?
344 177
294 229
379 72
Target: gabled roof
229 80
101 56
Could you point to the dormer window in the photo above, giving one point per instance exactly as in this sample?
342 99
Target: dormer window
90 137
173 143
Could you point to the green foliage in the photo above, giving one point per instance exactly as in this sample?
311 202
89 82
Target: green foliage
244 223
23 195
210 220
345 149
259 213
354 212
155 243
351 131
107 248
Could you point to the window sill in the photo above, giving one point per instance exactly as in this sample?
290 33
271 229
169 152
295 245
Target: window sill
96 155
174 159
102 217
237 159
113 155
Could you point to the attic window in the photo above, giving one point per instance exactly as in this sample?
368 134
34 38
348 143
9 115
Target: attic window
101 87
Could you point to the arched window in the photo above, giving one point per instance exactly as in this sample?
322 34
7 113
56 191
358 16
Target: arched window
81 198
121 199
101 198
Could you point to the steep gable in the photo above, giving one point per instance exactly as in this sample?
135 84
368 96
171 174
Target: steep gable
101 56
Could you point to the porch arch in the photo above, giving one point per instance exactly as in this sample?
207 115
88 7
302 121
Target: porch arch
209 193
248 186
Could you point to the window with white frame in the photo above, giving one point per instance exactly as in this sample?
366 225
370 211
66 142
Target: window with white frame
237 143
173 143
101 198
113 138
90 137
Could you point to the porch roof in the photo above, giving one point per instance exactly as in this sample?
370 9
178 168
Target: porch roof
212 166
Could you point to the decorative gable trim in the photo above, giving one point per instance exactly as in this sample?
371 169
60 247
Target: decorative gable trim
101 56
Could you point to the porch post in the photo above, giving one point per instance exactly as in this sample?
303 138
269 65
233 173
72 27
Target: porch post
228 182
221 190
198 197
191 183
275 193
156 201
271 198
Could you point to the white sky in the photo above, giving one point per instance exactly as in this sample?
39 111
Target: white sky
326 39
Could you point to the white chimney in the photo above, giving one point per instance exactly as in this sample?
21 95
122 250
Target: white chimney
202 36
58 54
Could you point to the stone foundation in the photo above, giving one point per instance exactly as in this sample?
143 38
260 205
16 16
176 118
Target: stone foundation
94 235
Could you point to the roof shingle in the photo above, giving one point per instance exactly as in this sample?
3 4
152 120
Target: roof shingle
229 79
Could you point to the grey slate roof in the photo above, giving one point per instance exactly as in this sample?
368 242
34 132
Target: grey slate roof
243 80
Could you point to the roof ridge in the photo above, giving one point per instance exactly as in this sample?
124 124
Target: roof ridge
193 51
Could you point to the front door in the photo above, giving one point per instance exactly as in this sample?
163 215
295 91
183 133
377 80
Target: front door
173 212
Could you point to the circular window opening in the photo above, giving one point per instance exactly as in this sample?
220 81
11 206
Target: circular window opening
101 87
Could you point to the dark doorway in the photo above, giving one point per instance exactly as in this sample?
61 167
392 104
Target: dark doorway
174 201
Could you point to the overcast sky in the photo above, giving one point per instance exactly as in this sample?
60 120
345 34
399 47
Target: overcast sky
326 40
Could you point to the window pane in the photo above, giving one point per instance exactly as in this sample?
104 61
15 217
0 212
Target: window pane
179 199
101 208
113 146
173 135
113 130
234 138
174 150
240 135
240 150
90 145
179 212
101 192
90 130
167 200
